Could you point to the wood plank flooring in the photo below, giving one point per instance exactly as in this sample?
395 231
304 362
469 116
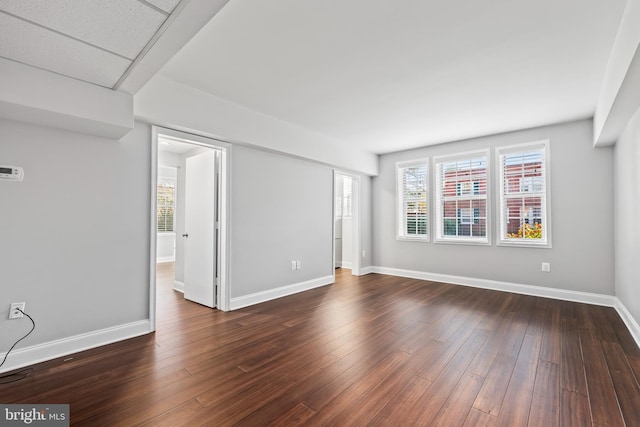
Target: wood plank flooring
373 350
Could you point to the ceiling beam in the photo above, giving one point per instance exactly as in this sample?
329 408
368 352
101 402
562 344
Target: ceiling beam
620 95
185 21
33 95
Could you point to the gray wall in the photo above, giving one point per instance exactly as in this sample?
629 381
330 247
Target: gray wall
75 232
281 210
627 209
582 256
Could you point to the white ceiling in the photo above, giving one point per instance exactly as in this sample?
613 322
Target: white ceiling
91 40
391 75
373 75
174 145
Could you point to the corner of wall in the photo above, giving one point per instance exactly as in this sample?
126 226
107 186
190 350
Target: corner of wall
627 318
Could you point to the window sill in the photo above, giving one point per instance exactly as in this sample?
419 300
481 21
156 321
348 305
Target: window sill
413 239
470 242
521 244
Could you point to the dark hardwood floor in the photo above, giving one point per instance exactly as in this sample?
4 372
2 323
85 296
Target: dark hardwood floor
373 350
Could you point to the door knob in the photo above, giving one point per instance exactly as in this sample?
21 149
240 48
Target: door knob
185 235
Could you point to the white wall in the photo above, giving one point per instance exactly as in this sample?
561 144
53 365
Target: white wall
168 159
582 257
627 215
75 232
166 247
347 242
281 210
195 111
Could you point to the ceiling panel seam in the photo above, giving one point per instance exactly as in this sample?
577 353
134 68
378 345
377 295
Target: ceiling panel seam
154 7
66 35
152 41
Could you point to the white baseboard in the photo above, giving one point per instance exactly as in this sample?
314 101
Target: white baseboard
628 320
58 348
283 291
346 264
178 286
539 291
366 270
62 347
160 260
517 288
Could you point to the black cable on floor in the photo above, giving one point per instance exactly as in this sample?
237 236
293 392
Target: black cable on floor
24 372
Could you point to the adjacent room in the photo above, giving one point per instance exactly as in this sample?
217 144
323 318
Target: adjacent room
382 213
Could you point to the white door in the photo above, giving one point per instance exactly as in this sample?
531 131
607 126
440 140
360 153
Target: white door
337 221
200 217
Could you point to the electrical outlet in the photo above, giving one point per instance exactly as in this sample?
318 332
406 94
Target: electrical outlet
293 265
546 267
298 267
14 311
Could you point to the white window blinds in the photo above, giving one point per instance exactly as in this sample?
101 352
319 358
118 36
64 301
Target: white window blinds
524 194
344 197
412 193
347 197
166 206
461 198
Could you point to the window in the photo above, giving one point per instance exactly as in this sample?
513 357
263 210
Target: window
166 205
524 186
347 197
412 200
344 197
461 198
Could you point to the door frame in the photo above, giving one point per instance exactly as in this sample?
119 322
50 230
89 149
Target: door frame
222 297
356 222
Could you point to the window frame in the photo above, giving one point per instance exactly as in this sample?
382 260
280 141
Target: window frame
542 146
440 237
400 217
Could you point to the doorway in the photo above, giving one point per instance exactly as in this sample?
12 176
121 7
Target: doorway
189 218
346 221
